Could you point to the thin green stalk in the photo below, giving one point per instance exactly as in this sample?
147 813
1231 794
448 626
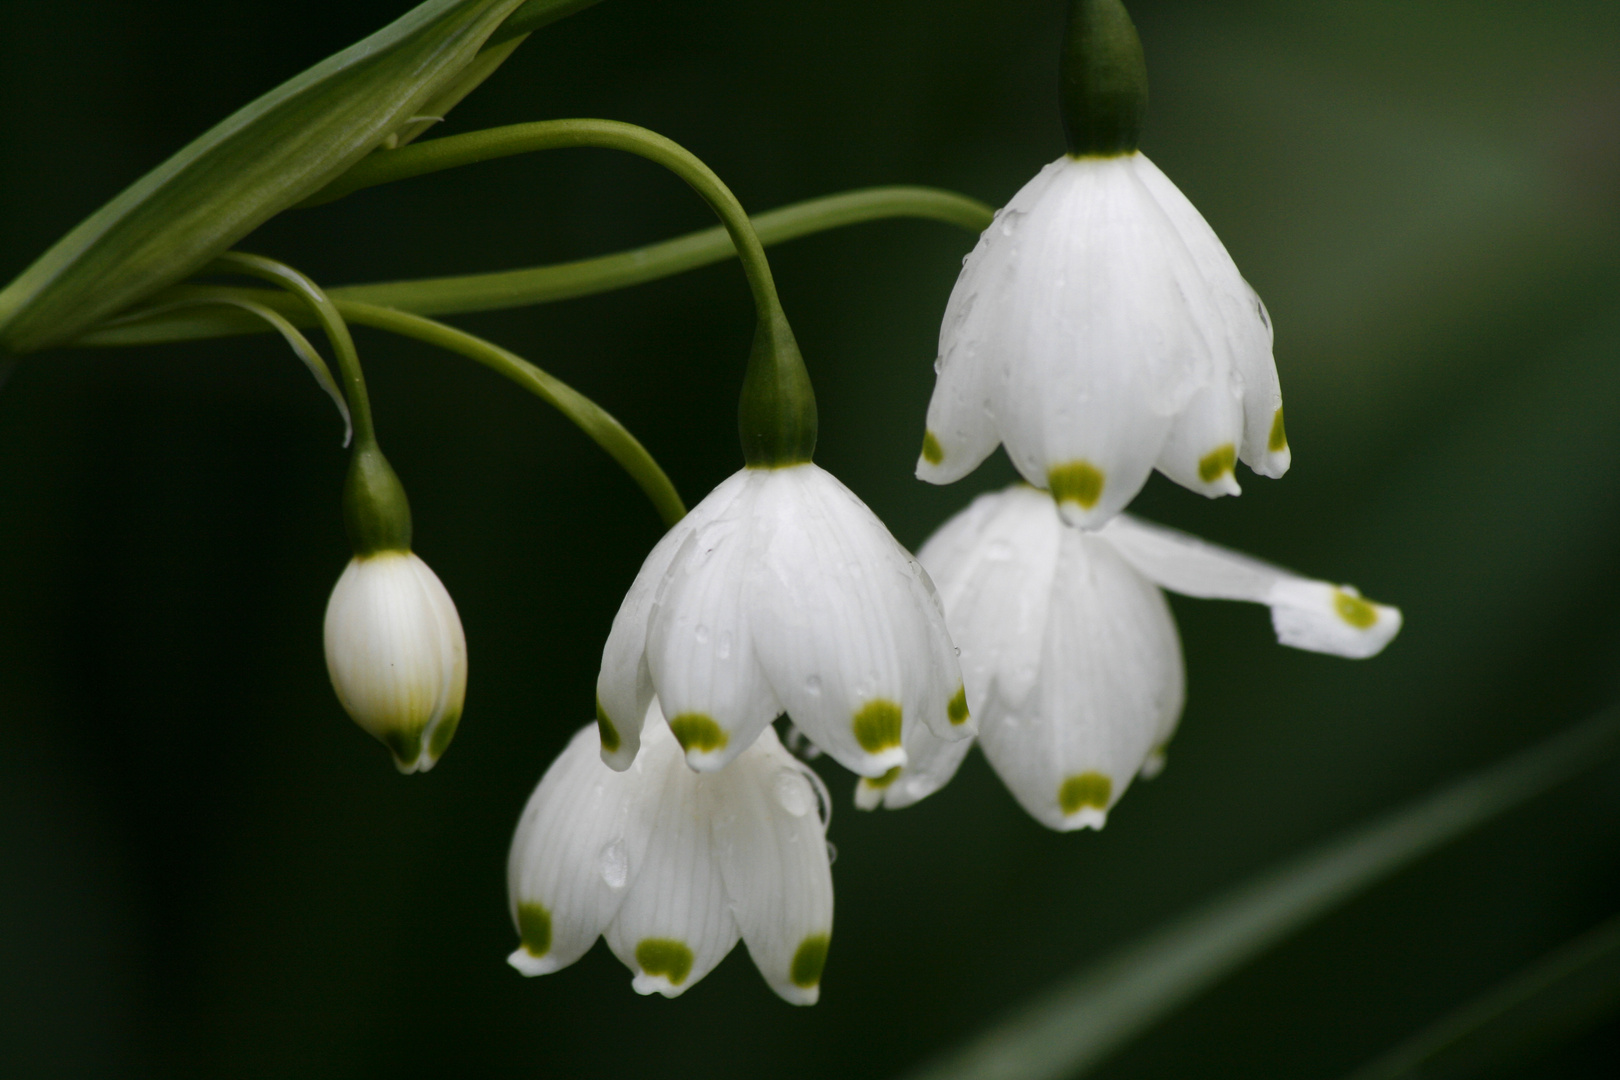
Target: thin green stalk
454 151
588 416
564 281
331 321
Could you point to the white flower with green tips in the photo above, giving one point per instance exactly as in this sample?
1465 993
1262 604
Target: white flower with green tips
397 655
781 592
1070 655
672 866
1100 330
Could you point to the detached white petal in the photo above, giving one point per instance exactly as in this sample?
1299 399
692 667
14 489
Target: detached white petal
1097 330
669 865
782 592
1306 614
397 655
1072 662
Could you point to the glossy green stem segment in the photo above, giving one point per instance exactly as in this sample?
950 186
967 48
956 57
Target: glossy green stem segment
331 321
1569 989
1069 1030
1103 80
776 416
590 418
584 277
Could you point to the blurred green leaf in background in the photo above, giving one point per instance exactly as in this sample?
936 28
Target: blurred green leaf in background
206 873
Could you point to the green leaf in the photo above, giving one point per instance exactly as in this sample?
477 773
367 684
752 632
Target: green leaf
262 159
1072 1028
1571 988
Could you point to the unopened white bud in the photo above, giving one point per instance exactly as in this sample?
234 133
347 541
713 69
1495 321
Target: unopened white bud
397 655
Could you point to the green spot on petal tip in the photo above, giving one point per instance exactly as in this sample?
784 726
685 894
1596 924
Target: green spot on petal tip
1217 463
932 452
604 728
880 782
1354 610
1083 790
406 746
534 927
957 710
877 726
694 731
443 732
1077 482
1278 441
808 961
662 956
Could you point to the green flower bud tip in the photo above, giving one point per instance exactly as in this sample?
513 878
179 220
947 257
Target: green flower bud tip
1103 80
376 512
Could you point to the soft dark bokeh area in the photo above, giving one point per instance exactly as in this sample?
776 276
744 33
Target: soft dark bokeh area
207 870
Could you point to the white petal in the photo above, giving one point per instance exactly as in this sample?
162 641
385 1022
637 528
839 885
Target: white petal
931 762
962 430
675 924
772 850
579 844
993 564
1237 325
1202 449
1314 615
830 600
1110 676
700 641
397 655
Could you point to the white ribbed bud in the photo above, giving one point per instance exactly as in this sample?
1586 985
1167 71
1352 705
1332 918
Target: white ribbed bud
397 655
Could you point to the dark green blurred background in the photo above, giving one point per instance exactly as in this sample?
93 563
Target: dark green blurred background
207 870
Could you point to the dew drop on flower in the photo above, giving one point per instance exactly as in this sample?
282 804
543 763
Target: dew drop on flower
614 864
832 853
702 634
793 793
723 648
812 686
1000 551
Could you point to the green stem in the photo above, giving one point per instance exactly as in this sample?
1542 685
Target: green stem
454 151
326 313
591 418
564 281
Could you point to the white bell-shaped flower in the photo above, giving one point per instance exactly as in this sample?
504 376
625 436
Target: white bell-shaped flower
671 866
1100 330
1070 655
781 592
397 655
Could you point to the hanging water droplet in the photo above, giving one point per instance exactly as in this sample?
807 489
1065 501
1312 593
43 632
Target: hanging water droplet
812 686
702 634
832 853
614 864
793 793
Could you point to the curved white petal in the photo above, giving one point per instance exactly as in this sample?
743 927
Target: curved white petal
397 655
700 638
1110 679
1201 452
1236 323
624 686
830 602
772 850
674 924
1306 614
581 841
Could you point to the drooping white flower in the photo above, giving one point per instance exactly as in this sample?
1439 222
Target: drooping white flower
397 655
1069 652
1100 330
781 592
671 866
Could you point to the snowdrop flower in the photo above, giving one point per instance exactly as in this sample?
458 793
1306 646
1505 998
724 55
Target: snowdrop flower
781 592
1099 329
671 866
397 655
1071 658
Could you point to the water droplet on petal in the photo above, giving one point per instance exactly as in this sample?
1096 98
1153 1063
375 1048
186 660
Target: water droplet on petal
1000 551
793 793
614 864
702 634
832 853
723 648
812 686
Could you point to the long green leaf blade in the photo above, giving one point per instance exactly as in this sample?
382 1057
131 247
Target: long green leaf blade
1072 1028
260 160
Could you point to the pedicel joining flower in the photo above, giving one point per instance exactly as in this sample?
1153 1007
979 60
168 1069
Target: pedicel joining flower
671 866
1099 329
394 645
1070 655
781 592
